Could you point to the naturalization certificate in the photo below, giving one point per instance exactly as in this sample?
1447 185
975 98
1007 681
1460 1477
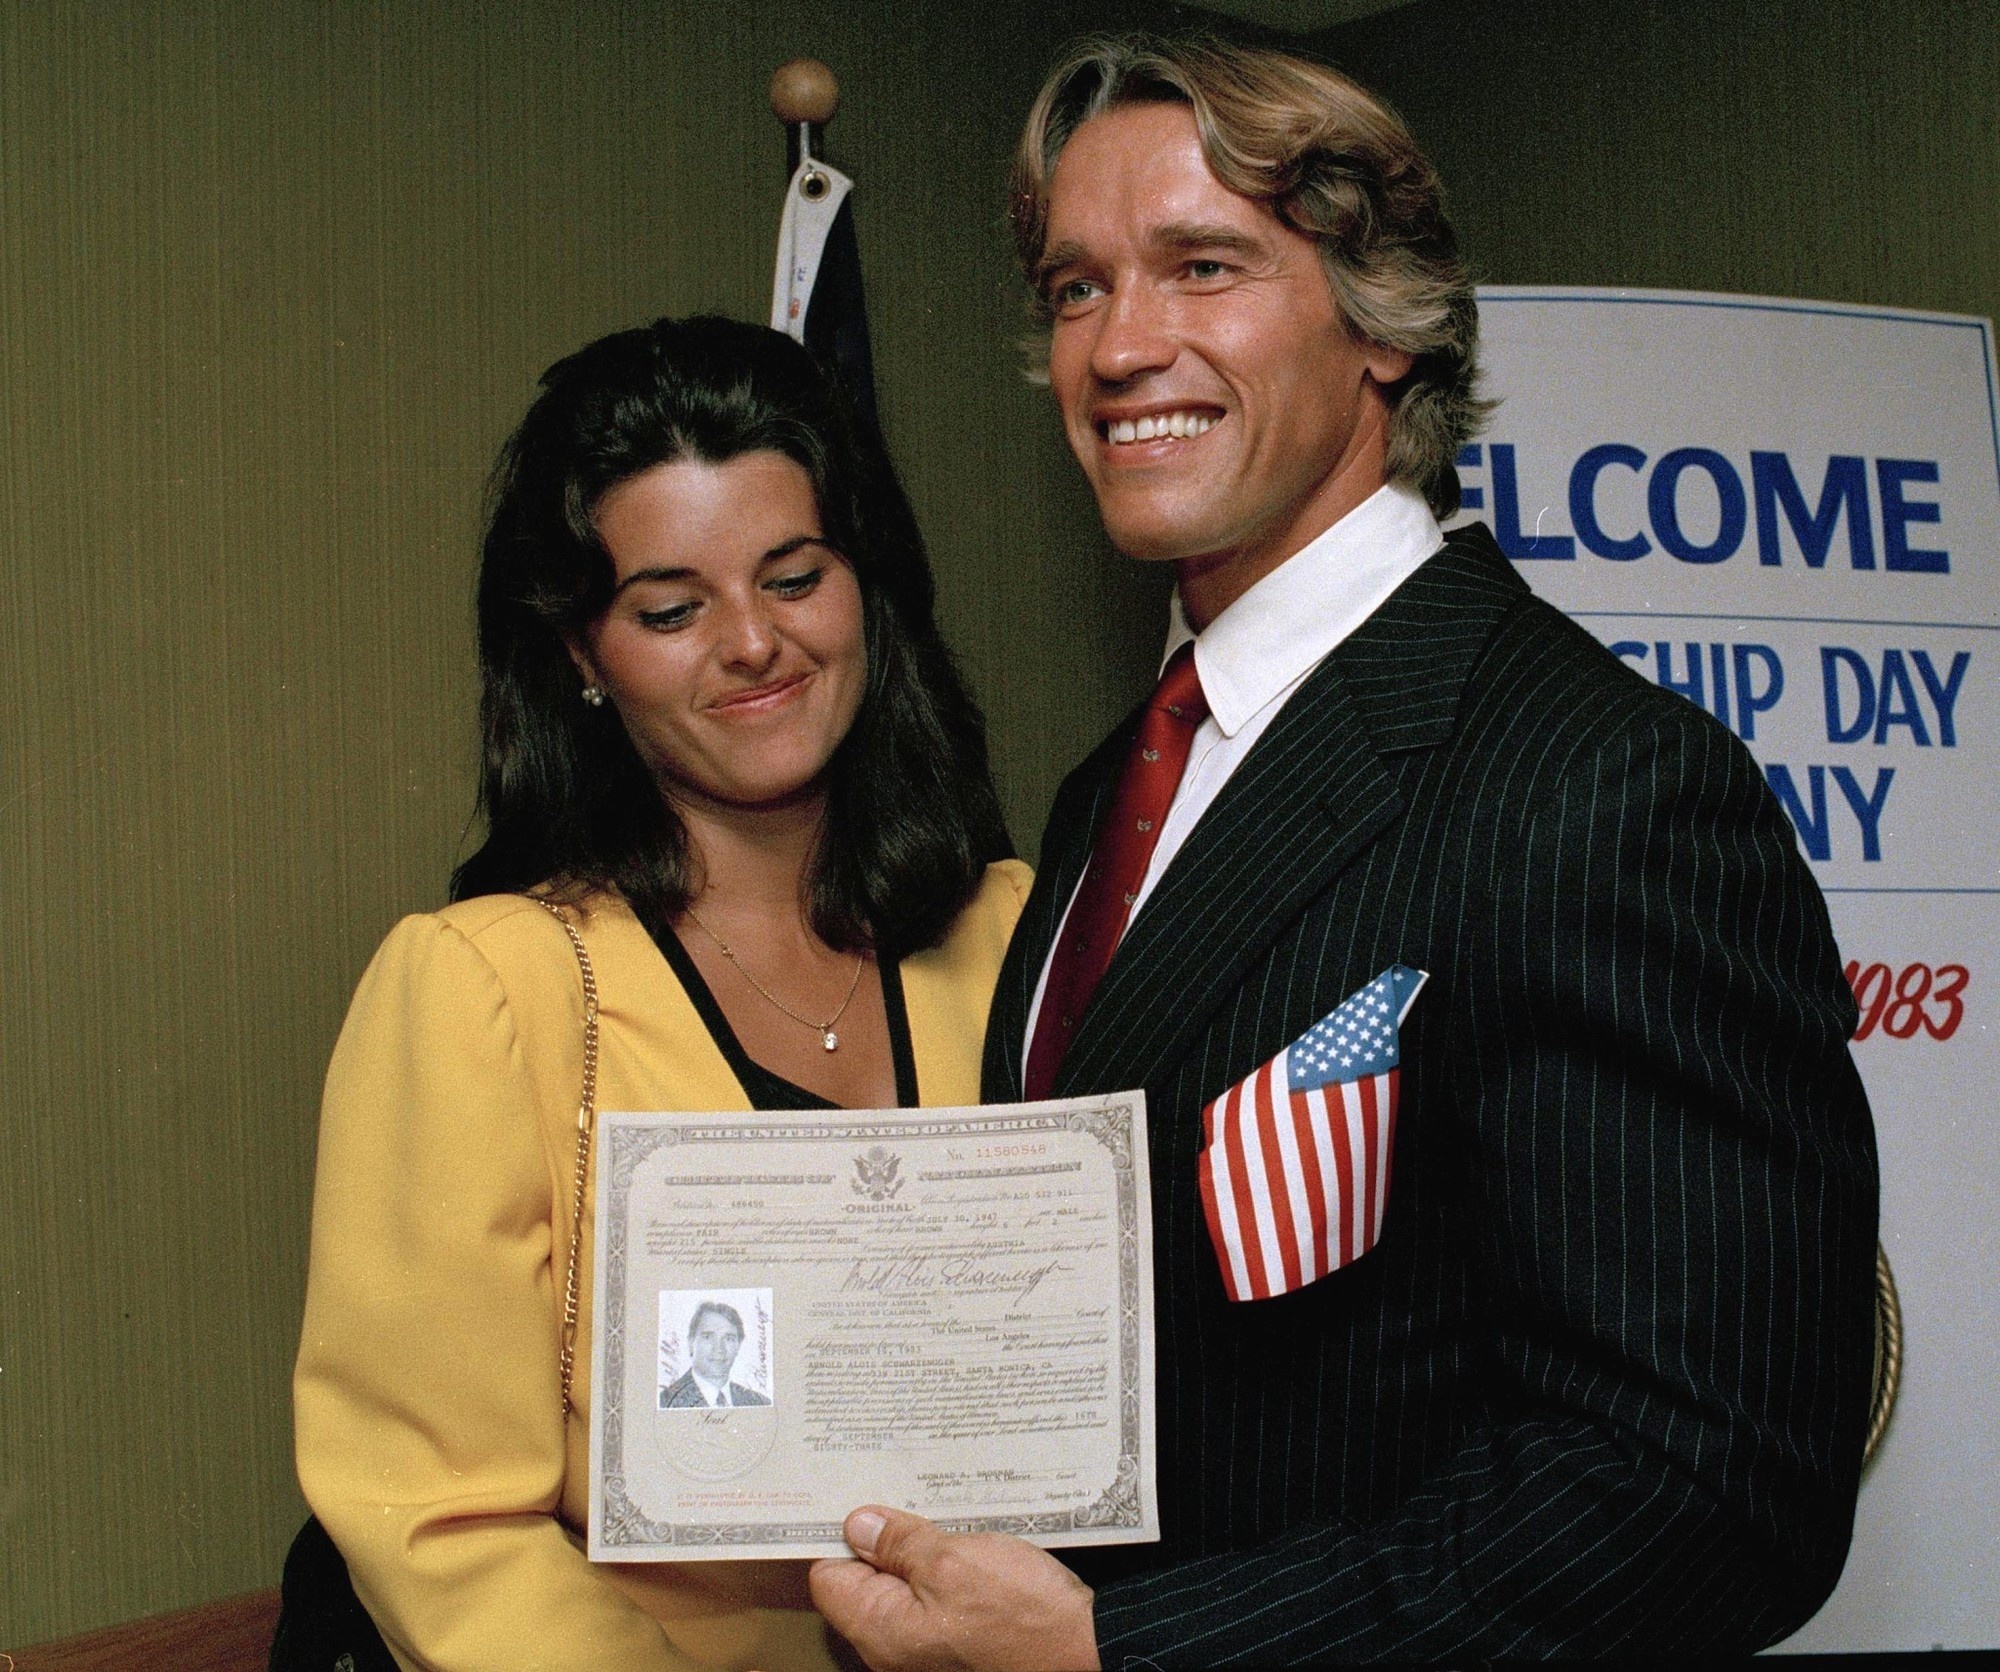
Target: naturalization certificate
946 1310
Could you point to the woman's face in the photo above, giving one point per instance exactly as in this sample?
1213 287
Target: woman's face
733 644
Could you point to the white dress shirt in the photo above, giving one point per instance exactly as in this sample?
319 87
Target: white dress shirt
715 1393
1257 652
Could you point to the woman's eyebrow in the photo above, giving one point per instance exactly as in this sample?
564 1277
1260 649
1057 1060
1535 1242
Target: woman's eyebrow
785 548
639 575
777 554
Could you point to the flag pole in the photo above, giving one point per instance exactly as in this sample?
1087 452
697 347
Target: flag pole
804 96
816 282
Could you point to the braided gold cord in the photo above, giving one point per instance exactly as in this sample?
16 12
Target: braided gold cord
1888 1355
586 1119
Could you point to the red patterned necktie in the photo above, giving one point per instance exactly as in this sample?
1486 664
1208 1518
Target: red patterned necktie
1117 865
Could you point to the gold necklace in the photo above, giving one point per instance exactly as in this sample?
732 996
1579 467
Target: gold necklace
827 1036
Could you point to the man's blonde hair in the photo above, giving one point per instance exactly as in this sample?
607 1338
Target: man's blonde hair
1333 162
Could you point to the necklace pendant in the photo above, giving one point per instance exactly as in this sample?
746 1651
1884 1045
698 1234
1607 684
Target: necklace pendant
829 1039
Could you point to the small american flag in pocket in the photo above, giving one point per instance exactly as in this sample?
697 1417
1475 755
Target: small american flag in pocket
1295 1175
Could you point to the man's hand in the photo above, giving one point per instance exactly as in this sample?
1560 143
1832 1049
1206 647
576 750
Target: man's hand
924 1600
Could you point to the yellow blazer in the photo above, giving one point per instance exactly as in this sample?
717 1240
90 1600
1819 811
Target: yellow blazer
430 1437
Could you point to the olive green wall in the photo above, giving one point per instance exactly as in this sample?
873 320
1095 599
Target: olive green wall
274 282
1845 150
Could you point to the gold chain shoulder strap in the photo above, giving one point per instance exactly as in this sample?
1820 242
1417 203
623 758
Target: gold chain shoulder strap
586 1119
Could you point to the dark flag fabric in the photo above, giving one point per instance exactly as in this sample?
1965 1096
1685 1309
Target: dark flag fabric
1295 1176
816 289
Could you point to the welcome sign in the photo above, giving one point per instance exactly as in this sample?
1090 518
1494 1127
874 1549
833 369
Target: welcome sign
1789 513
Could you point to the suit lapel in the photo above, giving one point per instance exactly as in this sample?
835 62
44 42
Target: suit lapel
1310 797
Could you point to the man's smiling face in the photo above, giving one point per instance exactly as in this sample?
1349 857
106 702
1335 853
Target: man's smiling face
715 1344
1220 407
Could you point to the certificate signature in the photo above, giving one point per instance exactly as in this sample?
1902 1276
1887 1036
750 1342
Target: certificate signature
948 1310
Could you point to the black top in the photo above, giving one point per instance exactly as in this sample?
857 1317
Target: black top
765 1089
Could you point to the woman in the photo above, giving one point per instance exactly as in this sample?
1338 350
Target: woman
723 735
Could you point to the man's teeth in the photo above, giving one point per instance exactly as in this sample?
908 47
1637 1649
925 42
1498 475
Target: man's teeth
1178 424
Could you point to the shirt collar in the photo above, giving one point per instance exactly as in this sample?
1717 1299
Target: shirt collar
712 1389
1285 625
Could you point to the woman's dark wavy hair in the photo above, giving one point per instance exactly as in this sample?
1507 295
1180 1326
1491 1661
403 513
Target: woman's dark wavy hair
912 815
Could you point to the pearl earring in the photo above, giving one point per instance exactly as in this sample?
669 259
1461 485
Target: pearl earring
593 695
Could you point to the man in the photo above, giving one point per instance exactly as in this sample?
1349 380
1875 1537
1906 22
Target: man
715 1337
1600 1385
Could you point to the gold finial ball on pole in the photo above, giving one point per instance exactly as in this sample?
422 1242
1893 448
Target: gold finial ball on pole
804 90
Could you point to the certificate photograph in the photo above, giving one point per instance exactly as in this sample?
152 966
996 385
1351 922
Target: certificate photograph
947 1310
703 1362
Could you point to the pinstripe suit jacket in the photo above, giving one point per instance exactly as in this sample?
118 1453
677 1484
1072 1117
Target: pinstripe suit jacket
1602 1384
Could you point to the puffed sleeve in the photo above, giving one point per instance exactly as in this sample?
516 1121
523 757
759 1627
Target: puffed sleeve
430 1435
